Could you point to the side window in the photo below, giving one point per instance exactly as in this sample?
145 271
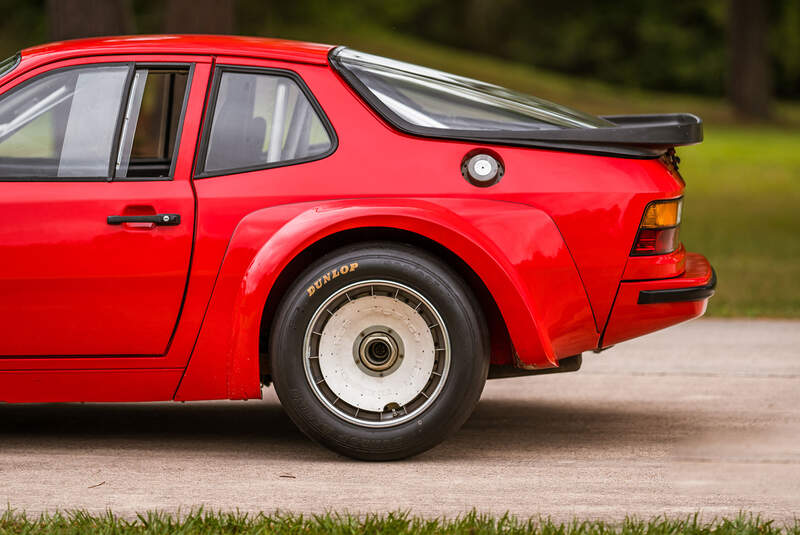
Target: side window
262 120
151 123
62 124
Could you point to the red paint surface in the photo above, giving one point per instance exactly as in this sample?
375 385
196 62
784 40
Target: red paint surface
656 267
88 385
97 304
630 319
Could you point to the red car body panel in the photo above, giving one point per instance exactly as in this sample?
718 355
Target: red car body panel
110 301
631 319
239 46
523 271
89 385
550 242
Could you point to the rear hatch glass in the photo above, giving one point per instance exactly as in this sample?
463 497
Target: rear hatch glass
434 99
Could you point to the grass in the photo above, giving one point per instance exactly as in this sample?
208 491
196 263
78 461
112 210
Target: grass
389 524
743 182
742 210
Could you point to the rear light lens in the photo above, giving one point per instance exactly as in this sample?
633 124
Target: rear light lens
659 230
661 214
651 241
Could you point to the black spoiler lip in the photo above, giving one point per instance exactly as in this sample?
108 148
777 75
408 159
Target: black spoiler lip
658 129
631 136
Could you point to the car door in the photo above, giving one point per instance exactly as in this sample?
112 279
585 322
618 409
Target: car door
96 218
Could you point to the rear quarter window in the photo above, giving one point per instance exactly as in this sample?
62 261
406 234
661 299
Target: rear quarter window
261 119
417 98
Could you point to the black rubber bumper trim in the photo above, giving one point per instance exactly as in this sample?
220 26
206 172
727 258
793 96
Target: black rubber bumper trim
676 295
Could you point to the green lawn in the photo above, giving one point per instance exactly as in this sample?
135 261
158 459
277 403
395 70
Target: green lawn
743 211
743 183
389 524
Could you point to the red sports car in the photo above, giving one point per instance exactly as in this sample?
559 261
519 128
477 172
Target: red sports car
191 218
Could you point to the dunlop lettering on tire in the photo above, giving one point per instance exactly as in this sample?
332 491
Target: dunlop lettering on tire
344 269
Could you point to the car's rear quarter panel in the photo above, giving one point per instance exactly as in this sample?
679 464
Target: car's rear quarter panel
594 203
524 271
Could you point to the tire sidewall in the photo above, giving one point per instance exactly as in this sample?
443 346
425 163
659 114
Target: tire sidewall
447 294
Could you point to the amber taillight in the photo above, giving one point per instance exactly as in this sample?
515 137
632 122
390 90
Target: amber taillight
659 229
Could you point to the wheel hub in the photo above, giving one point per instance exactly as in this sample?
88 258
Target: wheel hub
378 351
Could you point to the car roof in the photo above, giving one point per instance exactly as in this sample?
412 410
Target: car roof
262 47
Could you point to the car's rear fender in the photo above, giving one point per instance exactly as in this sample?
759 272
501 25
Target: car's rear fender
515 250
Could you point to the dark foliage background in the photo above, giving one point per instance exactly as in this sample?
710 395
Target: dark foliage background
747 49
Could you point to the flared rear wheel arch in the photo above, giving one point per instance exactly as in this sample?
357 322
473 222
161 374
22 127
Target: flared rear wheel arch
498 333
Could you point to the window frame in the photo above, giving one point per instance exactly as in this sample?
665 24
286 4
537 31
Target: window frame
202 150
156 66
118 125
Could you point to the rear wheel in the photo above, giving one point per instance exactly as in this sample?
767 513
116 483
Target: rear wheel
379 352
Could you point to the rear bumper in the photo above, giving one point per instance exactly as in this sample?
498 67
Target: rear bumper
676 295
642 307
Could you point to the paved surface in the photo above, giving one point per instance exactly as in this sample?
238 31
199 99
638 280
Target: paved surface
701 416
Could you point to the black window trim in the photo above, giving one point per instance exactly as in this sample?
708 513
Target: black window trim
112 160
202 151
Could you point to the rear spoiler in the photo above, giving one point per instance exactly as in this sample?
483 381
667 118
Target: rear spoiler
658 130
632 136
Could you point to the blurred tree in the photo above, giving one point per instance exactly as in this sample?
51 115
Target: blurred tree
670 46
646 43
200 16
749 84
785 48
70 19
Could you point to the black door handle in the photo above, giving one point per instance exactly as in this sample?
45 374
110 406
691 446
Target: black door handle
169 220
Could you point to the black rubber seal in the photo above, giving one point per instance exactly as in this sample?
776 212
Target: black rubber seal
677 295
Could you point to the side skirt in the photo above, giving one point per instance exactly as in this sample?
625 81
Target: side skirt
502 371
39 386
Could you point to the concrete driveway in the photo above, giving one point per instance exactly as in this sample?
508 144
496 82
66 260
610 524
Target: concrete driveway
704 416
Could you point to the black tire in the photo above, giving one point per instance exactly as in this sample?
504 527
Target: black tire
453 301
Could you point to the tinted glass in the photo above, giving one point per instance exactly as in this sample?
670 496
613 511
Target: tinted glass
151 123
434 99
262 120
61 124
